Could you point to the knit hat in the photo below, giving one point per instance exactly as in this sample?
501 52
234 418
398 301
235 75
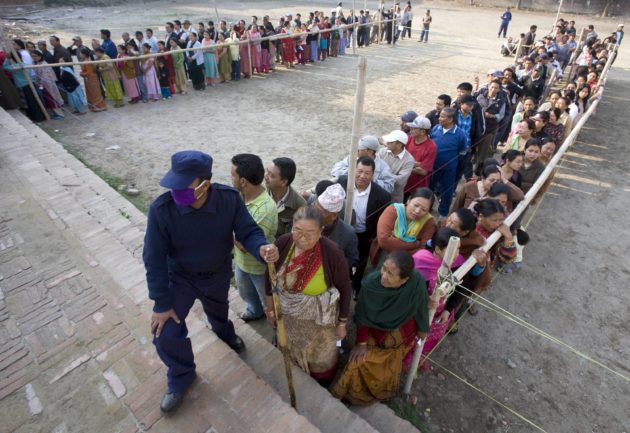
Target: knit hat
333 198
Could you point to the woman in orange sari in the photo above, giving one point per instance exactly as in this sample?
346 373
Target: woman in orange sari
93 90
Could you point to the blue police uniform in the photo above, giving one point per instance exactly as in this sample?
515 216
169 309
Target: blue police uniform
187 256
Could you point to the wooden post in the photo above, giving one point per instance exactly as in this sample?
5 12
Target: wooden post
557 17
355 31
575 55
356 130
440 290
394 26
27 75
216 11
249 56
604 75
281 332
518 49
379 12
547 89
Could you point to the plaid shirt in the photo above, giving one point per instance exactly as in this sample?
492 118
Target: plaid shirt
465 124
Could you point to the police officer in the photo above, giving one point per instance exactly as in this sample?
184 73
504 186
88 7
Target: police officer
187 255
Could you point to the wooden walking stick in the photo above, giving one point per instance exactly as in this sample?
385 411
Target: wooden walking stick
281 332
441 289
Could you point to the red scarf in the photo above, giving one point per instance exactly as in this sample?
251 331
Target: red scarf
304 266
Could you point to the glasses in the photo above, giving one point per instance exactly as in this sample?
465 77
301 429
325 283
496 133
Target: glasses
304 233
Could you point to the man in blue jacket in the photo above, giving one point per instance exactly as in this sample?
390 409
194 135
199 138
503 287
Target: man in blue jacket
505 22
187 255
451 146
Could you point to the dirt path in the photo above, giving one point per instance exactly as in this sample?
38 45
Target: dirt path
572 286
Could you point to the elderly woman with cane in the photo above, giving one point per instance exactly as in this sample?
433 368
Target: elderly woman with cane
315 291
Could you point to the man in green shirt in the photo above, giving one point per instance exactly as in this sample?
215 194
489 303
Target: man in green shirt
247 174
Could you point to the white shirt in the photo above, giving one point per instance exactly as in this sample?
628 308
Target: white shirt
198 55
401 166
153 42
359 205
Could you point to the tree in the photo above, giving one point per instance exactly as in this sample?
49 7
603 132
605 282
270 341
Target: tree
605 12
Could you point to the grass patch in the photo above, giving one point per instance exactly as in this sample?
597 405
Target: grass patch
404 410
139 201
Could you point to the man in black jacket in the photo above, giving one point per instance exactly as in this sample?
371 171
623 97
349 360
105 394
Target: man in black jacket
370 200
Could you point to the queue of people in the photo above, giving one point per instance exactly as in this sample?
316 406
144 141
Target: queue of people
496 136
129 77
386 258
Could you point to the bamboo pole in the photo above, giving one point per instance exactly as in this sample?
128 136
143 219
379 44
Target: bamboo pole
216 11
557 17
354 21
31 85
394 26
379 12
249 55
601 82
441 289
356 130
575 55
552 79
518 49
540 182
281 332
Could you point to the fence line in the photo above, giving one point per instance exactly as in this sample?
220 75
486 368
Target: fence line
186 50
531 194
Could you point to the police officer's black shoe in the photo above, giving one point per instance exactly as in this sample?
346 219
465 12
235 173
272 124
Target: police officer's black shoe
237 345
173 400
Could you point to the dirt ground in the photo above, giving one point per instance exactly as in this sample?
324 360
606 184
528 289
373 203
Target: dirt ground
573 283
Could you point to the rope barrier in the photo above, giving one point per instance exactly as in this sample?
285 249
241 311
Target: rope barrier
484 302
213 47
485 394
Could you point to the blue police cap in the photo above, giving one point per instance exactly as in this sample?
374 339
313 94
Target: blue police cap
186 166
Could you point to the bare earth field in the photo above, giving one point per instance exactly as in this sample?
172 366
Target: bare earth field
573 284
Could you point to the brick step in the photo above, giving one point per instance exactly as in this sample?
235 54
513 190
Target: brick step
315 402
92 193
228 395
104 221
78 201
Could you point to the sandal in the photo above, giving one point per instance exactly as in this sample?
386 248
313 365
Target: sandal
473 310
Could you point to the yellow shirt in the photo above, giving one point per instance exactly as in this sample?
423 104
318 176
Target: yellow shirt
317 285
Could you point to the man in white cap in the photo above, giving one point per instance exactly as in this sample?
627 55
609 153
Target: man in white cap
400 161
424 152
619 34
330 203
369 146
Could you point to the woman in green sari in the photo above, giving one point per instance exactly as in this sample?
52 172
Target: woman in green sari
392 312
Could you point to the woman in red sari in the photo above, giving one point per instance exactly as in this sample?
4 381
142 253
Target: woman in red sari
288 46
169 65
